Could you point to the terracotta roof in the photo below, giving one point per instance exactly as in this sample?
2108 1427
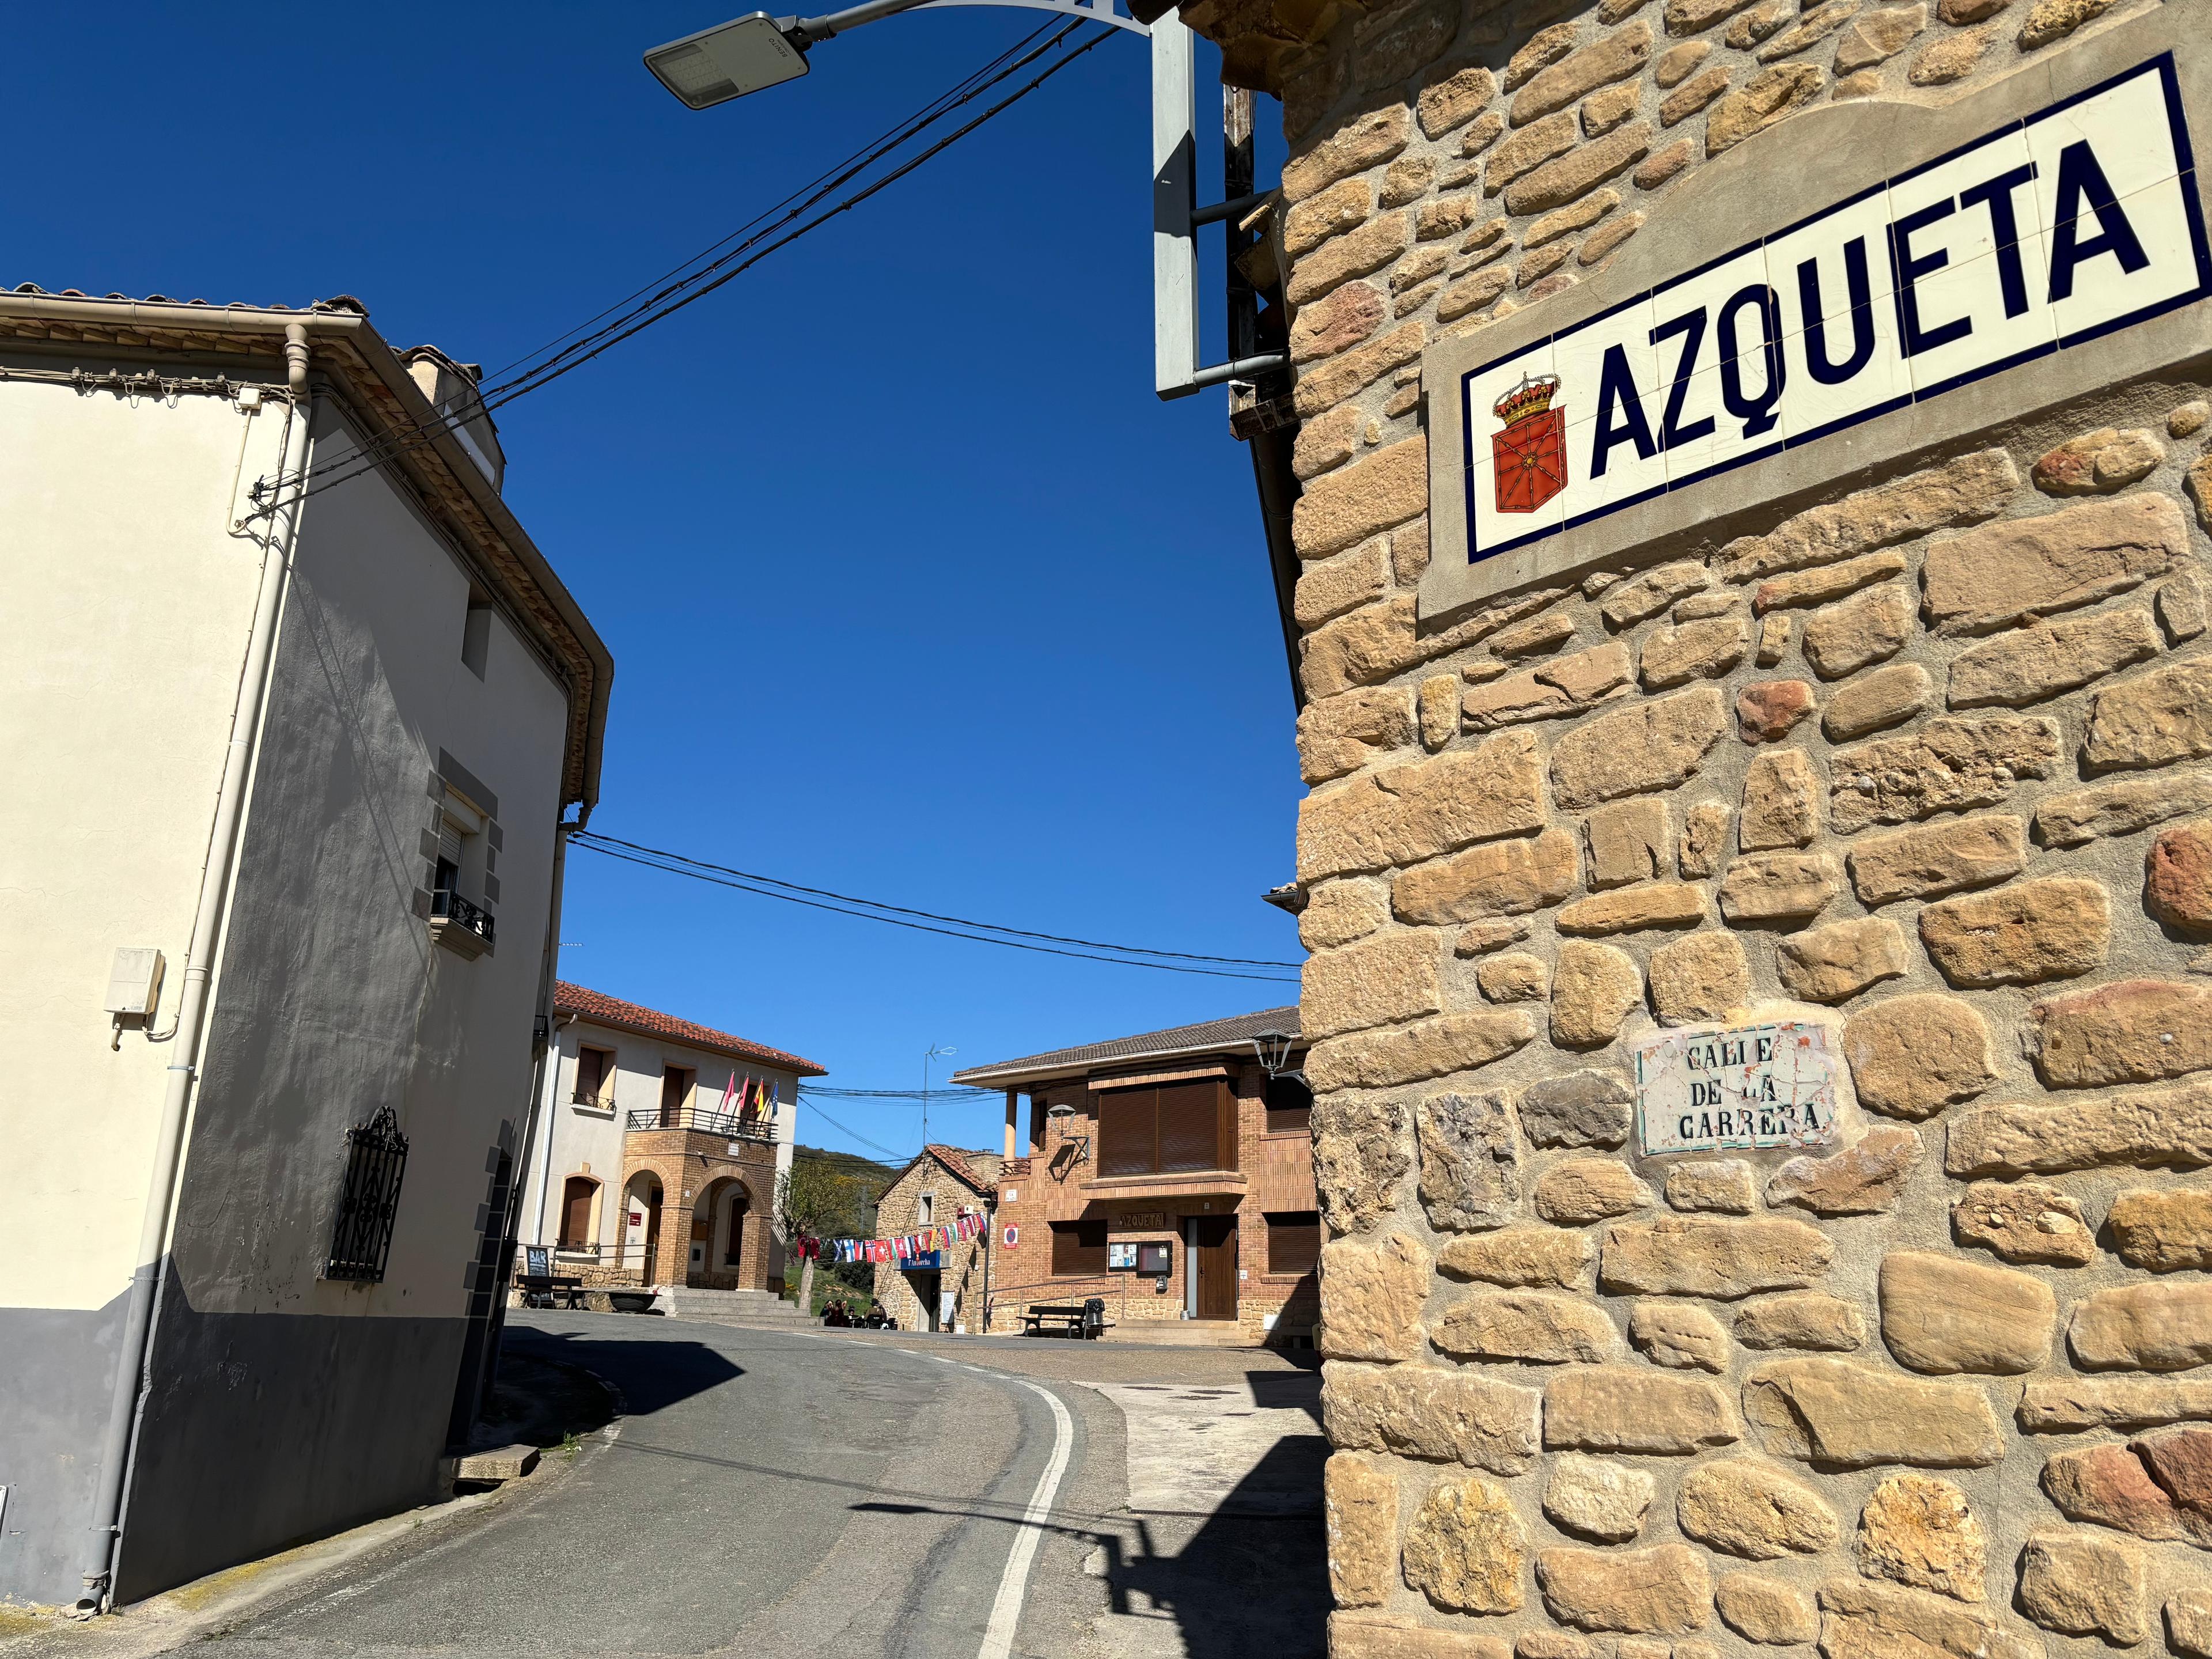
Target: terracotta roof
601 1009
1208 1037
371 380
962 1165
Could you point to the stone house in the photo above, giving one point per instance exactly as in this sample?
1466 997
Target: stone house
1758 862
1168 1174
943 1290
289 776
637 1105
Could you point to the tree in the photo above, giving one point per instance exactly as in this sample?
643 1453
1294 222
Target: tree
812 1199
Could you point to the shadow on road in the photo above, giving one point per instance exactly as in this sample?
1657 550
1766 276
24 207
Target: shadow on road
651 1373
1286 1391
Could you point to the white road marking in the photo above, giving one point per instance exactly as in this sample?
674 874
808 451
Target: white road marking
1006 1607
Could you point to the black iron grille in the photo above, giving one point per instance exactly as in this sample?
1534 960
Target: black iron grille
376 1159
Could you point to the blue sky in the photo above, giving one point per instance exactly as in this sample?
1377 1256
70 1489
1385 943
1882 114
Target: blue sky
914 590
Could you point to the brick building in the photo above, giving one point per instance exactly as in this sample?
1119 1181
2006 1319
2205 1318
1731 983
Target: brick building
1752 635
943 1290
655 1162
1145 1154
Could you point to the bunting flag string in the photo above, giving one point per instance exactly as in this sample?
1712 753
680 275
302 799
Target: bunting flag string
902 1247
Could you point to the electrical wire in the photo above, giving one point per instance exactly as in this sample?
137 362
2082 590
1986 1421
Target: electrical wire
876 1145
953 1091
581 840
659 309
927 915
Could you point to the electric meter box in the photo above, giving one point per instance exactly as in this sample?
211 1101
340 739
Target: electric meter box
134 983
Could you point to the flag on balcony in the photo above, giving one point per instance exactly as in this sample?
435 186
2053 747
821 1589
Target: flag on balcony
729 1092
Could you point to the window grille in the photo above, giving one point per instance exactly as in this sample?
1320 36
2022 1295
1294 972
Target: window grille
376 1159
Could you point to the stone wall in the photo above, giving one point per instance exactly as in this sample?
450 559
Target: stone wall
961 1274
1923 760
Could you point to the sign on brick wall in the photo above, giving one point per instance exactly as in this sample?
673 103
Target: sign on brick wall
2033 228
1746 1086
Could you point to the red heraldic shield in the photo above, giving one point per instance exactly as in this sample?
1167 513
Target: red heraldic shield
1530 455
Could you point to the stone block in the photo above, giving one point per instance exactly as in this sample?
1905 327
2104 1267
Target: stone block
1357 253
1466 1548
1768 711
2153 719
1708 1256
1779 887
2024 1221
1470 1161
1701 977
1627 841
1947 766
2181 607
1865 1619
2028 664
2180 1461
1540 1327
1359 1501
1693 651
1704 840
1578 1108
1801 1319
1781 802
1911 1056
1862 1178
1759 103
500 1463
2002 573
1952 58
1440 1416
2164 1326
1570 177
1340 734
2098 463
1437 710
1674 65
1838 1412
1339 585
1765 1610
1888 696
2188 1624
1411 1054
1360 1634
1878 36
1680 1335
1586 1189
1528 150
1448 105
1395 977
1368 140
1642 747
1515 976
1773 631
1633 1408
1501 879
1325 384
1417 812
1966 491
1815 25
2148 1128
2136 1030
1635 909
1749 1510
1937 859
1611 57
2071 1404
1558 690
2164 1231
2108 1486
1372 1297
1595 987
1478 937
1338 912
2083 1585
1918 1530
1345 206
1834 964
2177 877
2054 927
1387 488
1521 1257
2120 807
1944 1315
1665 1589
1539 636
1359 1157
1655 591
1867 628
1597 1498
1824 584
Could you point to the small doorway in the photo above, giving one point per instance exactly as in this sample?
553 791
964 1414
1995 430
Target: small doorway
925 1287
1210 1266
641 1227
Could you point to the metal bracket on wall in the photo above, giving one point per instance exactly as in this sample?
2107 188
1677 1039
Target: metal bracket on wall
1177 370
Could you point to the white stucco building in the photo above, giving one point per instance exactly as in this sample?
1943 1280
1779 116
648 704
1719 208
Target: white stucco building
295 709
656 1160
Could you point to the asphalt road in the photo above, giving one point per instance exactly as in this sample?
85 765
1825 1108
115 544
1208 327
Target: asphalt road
780 1493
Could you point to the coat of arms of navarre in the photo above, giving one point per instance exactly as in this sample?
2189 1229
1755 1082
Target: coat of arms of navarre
1530 454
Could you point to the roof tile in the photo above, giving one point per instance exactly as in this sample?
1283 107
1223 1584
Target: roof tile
603 1010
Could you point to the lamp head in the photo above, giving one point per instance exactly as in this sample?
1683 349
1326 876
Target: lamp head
747 54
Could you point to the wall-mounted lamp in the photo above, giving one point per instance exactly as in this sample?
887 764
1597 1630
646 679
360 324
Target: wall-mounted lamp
1060 1113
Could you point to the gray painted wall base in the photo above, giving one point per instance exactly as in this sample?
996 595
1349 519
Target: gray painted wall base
57 1367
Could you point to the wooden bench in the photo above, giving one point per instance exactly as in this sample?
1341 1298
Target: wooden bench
550 1289
1076 1319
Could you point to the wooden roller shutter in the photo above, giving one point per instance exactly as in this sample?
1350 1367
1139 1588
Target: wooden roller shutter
1190 1125
1128 1133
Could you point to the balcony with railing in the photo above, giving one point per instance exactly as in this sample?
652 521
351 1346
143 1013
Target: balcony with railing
459 925
701 1120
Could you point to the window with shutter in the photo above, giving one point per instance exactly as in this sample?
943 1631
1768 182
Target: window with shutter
1128 1132
1293 1242
593 1067
1190 1125
576 1197
1289 1106
1079 1249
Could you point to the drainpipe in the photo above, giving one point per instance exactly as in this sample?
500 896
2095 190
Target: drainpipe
552 1089
133 1372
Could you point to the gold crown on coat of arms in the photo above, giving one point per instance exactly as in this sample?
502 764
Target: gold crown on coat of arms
1533 396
